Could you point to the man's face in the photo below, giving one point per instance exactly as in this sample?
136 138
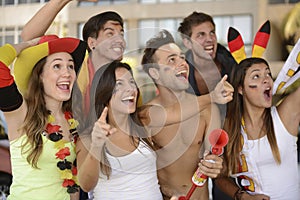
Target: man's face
110 43
204 35
173 69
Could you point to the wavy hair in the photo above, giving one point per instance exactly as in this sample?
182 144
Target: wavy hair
37 114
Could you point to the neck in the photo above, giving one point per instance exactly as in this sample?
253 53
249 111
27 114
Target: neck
55 107
119 121
253 119
168 96
99 61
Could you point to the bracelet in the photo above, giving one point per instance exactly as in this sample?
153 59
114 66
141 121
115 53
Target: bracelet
238 194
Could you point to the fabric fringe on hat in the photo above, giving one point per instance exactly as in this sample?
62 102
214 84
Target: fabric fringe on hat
237 47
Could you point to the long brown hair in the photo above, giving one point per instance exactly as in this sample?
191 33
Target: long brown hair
103 93
234 116
37 114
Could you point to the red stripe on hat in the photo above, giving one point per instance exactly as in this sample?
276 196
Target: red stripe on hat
6 78
236 44
63 45
261 39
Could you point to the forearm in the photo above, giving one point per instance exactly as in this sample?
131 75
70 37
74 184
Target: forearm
227 186
88 172
41 21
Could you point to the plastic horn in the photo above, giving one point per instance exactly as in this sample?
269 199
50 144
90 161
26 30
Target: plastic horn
218 139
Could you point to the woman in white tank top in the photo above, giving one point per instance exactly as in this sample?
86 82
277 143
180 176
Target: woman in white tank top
117 159
262 152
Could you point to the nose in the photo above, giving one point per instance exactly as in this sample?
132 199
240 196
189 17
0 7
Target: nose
266 79
120 38
66 71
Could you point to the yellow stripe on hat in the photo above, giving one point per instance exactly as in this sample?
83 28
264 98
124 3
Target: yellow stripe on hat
7 54
239 55
25 62
258 51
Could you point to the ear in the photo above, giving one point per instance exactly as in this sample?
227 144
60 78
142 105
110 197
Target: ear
91 42
187 43
153 72
240 90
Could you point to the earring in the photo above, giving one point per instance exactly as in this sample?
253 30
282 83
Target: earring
93 48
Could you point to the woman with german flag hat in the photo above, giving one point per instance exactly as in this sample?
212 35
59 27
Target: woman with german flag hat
36 101
261 155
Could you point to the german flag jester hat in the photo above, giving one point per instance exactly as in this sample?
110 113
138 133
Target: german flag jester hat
237 47
47 45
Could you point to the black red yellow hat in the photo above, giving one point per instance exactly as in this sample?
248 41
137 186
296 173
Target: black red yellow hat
47 45
237 47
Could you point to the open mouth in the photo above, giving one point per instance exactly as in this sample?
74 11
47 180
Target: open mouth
182 74
118 49
63 85
209 49
268 93
128 100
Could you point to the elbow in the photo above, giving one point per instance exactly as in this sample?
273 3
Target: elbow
86 189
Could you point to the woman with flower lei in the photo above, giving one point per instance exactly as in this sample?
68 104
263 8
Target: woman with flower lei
36 102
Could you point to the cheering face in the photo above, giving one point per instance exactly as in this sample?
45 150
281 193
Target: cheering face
173 69
125 93
58 76
204 34
110 43
258 85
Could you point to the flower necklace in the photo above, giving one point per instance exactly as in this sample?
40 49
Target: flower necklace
67 169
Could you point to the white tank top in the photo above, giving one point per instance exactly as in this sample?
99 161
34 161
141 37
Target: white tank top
261 174
133 176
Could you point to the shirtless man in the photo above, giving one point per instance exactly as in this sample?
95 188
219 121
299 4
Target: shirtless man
179 144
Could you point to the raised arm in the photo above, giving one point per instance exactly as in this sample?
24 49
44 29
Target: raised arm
89 151
41 21
158 116
289 110
11 101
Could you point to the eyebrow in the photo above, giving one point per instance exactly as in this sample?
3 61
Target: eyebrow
255 70
175 54
60 59
112 29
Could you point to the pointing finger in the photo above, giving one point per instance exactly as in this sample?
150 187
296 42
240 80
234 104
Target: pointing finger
103 116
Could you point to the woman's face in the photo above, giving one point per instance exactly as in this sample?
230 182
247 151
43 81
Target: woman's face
58 76
258 84
125 92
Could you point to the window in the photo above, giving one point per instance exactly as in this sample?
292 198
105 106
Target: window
148 28
101 2
283 1
242 23
10 35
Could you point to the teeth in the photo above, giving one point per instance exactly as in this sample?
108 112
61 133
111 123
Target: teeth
118 49
208 48
64 83
181 72
128 98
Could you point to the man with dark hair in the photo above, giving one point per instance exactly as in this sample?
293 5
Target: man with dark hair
180 147
198 32
199 37
103 33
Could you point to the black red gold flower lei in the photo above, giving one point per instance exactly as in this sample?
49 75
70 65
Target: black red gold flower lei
67 169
